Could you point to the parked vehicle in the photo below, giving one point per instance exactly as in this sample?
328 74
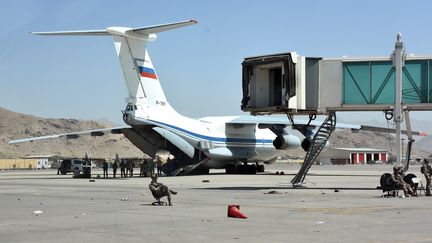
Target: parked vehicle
77 166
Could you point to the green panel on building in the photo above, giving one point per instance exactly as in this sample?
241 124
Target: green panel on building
373 82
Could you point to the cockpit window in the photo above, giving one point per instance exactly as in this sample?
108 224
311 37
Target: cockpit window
131 107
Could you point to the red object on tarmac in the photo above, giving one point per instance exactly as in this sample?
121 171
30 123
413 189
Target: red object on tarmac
234 212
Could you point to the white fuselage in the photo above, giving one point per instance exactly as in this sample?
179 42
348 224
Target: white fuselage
214 136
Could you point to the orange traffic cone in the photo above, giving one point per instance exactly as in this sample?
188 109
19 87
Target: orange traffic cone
234 212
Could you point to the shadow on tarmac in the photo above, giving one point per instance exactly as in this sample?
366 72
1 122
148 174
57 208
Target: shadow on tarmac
252 188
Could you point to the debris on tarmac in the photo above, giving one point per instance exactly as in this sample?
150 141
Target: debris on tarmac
205 181
273 192
126 198
37 212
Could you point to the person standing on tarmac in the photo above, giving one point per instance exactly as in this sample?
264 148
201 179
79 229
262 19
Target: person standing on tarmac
122 169
105 169
127 167
114 167
142 168
131 166
426 170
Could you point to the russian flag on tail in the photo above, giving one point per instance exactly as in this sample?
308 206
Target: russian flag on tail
147 72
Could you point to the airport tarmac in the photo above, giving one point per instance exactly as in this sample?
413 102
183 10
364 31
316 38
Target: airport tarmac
113 210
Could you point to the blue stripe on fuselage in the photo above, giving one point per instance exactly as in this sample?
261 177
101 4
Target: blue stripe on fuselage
216 139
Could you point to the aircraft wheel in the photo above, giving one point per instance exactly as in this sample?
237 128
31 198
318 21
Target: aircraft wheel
408 179
243 169
251 169
230 169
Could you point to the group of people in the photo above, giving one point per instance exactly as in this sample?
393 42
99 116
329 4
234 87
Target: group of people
398 179
147 168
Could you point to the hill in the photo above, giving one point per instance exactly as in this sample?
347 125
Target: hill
15 125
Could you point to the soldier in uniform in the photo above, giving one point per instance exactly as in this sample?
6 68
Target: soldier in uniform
142 168
127 168
114 167
131 166
397 179
105 169
122 169
426 170
159 190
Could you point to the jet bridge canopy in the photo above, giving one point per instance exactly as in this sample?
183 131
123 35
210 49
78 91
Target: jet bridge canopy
289 83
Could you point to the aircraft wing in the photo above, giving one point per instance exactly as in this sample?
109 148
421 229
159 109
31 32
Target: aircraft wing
266 122
173 138
74 135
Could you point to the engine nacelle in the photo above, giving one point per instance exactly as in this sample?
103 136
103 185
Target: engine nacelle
307 142
286 141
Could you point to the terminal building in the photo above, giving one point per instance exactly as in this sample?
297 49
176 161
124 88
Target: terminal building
342 156
29 162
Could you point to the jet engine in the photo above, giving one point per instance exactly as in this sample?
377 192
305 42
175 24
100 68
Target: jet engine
307 142
286 141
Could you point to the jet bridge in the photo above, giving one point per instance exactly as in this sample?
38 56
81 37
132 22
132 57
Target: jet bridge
288 83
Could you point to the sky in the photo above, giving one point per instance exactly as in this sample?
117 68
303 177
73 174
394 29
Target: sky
199 66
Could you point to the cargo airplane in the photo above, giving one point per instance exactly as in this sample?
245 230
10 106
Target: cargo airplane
238 144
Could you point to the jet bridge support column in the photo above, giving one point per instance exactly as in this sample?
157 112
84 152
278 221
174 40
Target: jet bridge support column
398 63
410 141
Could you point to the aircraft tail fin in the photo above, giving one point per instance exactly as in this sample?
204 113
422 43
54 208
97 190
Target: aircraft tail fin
141 79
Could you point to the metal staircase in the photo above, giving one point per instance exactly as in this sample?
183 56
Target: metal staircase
318 143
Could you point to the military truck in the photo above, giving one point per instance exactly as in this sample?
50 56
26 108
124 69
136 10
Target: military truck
79 167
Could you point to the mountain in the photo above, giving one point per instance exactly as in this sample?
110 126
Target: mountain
424 144
344 138
15 125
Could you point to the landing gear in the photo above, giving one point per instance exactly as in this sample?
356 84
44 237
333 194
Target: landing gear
243 169
260 168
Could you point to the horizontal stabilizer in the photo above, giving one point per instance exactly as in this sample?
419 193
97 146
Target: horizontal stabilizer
160 28
76 32
144 31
